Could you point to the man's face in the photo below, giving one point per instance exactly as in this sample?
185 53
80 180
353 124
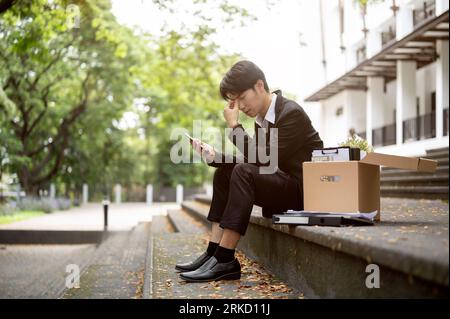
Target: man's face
251 101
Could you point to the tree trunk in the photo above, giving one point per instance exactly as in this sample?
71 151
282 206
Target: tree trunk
25 183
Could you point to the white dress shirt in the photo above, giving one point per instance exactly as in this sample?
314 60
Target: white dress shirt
270 115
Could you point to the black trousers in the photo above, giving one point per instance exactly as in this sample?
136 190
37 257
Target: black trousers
237 188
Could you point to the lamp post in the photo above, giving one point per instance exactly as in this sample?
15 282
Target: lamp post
105 203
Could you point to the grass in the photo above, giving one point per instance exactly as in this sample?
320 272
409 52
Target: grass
21 215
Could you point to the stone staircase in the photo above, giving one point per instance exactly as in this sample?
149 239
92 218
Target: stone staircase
139 264
409 245
406 184
117 268
180 237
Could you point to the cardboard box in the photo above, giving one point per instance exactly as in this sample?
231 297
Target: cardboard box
352 186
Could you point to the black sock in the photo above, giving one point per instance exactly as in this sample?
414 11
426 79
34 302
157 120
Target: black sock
212 248
224 255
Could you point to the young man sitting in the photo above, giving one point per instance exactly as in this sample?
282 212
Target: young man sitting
287 134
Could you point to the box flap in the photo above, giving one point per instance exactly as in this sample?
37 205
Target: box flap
408 163
427 165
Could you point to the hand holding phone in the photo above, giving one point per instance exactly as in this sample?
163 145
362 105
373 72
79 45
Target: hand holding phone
205 150
193 141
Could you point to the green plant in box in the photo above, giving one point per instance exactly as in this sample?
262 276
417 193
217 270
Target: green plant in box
357 142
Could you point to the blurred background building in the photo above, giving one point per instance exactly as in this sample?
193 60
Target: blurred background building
384 74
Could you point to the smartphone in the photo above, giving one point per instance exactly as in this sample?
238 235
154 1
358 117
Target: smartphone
191 139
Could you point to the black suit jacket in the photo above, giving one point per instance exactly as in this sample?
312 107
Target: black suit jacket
297 138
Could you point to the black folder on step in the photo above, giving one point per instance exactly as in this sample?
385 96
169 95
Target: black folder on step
317 219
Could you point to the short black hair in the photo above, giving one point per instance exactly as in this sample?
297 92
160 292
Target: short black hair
241 77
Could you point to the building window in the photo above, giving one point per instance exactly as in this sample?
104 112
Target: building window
339 111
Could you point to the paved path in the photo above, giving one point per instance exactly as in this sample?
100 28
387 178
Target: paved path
117 269
39 271
90 217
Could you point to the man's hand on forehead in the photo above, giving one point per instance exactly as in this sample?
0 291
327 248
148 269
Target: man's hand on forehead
231 113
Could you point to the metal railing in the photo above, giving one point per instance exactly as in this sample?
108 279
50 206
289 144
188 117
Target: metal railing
415 129
427 11
385 135
419 128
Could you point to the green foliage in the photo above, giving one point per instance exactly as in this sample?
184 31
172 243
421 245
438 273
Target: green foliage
368 2
19 216
64 92
357 142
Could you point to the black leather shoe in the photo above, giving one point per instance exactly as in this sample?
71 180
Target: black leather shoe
193 265
213 270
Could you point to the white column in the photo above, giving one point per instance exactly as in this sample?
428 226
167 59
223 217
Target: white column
441 6
149 194
441 85
406 95
18 191
118 193
179 194
52 190
85 193
374 106
404 21
374 43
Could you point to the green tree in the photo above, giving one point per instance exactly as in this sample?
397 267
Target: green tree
64 89
52 74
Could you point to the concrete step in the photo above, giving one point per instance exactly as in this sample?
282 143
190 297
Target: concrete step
118 268
418 180
441 170
51 237
38 271
182 222
187 241
444 150
440 157
410 247
204 199
409 184
437 155
198 208
169 249
431 192
442 161
161 225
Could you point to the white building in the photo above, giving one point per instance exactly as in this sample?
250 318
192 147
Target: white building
386 71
